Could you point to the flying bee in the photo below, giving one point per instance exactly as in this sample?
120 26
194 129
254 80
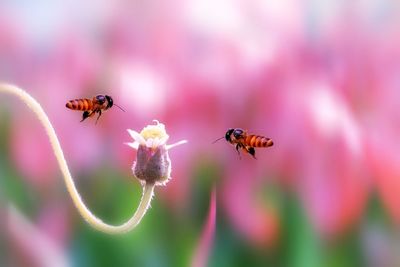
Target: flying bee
97 104
247 142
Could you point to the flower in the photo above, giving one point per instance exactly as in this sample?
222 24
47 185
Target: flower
152 164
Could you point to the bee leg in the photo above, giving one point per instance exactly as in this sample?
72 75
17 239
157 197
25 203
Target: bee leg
252 151
85 115
98 116
237 149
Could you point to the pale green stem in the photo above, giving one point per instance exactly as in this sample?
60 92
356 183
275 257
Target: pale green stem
95 222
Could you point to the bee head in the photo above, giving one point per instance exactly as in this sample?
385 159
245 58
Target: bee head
228 134
110 101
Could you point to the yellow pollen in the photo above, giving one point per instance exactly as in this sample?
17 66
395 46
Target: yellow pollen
154 131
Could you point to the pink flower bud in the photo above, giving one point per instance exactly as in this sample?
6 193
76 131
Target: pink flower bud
152 164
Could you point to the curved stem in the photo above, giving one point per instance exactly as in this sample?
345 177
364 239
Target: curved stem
95 222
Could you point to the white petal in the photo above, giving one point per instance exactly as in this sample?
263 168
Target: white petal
134 145
176 144
163 140
149 142
156 142
138 138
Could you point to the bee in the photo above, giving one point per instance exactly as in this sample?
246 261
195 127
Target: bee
247 142
90 107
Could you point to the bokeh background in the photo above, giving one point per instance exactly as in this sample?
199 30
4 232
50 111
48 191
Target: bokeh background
321 78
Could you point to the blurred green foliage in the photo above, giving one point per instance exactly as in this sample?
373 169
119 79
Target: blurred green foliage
168 238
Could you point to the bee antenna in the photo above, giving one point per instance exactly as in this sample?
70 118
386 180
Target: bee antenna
218 139
119 107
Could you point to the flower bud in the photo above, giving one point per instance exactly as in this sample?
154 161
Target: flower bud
152 164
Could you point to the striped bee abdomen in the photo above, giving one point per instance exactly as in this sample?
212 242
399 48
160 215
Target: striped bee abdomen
80 104
258 141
